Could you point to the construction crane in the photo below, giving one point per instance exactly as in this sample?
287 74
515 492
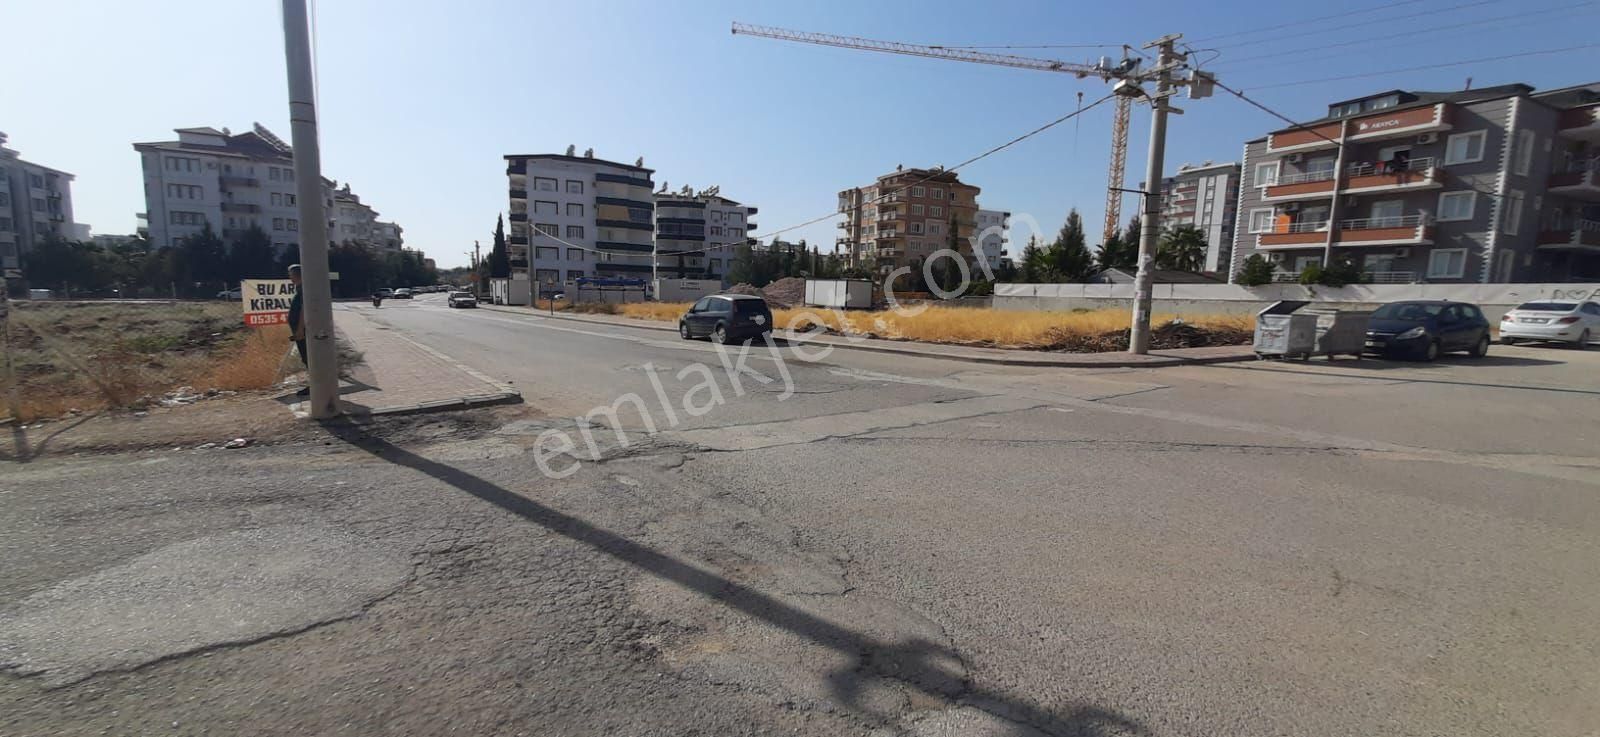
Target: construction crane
1104 70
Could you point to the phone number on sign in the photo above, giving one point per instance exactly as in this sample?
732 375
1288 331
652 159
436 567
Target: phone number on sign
258 319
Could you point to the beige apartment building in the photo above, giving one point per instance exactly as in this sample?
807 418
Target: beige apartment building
905 216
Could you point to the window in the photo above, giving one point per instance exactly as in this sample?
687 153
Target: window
277 223
1447 263
549 229
277 199
574 274
1383 102
288 199
5 225
5 199
716 216
1464 148
544 184
1261 220
1387 213
545 207
936 211
574 210
716 230
734 217
916 229
574 254
574 186
736 232
1512 218
1266 174
1590 308
916 209
295 224
38 204
938 193
638 215
272 172
1456 206
36 181
574 231
177 217
918 192
1523 158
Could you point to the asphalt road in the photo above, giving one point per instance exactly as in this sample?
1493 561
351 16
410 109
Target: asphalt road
896 546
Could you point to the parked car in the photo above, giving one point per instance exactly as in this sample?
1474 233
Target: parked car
1574 323
1424 329
461 299
726 318
386 293
228 294
401 293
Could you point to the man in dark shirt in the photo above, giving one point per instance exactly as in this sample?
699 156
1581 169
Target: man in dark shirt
297 322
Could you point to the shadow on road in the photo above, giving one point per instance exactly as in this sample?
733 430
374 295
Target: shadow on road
916 663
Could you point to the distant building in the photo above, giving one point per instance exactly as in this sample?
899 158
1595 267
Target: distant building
233 182
575 216
35 203
993 233
1204 197
696 233
905 216
389 237
1490 185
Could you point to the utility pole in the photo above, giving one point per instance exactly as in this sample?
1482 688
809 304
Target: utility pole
315 288
1167 60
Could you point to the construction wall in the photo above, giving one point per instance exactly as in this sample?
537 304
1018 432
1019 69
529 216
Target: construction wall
1495 299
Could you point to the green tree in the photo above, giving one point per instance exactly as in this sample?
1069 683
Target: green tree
250 256
1257 271
1117 253
1068 258
1035 267
499 261
741 268
202 264
1182 249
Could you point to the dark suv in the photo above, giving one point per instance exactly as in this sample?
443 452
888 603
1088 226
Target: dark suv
1424 329
726 318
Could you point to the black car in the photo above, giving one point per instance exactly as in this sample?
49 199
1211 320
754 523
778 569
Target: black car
1425 329
726 318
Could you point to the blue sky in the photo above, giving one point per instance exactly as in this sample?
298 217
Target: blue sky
421 100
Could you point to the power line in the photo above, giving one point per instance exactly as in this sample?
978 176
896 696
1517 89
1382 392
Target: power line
1291 24
1541 52
1032 46
1362 24
1405 34
834 213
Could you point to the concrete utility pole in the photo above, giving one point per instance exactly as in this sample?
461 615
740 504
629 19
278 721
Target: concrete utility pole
1150 224
315 287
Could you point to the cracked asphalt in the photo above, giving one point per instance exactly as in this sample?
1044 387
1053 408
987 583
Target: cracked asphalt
899 546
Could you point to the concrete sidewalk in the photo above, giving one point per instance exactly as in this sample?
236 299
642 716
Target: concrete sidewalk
971 354
399 375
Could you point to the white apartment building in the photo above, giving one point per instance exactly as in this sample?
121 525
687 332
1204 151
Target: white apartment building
232 182
697 232
579 216
1205 197
389 237
994 232
35 203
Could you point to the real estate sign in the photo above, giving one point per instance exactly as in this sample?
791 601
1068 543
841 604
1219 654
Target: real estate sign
266 301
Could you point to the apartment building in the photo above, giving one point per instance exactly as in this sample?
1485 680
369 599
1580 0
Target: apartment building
389 237
993 233
575 216
233 181
1204 197
906 215
696 233
1497 184
35 203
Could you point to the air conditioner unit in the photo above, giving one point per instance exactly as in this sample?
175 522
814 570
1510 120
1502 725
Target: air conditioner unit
1276 257
1292 207
1402 253
1294 158
1428 138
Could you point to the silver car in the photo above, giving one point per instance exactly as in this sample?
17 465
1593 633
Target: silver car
1574 323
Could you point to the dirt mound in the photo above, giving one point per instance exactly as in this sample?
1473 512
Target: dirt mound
786 292
1162 337
742 289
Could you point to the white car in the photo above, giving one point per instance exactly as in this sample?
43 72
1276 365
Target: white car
1576 323
461 299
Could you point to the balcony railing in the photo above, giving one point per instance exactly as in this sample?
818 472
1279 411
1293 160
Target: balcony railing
1320 175
1389 277
240 182
1397 221
240 207
1305 226
519 194
1369 168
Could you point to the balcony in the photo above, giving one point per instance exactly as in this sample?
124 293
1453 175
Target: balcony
519 194
1585 236
1389 277
519 217
519 240
1399 230
1373 126
1578 179
240 182
517 167
1301 186
240 207
1581 123
1295 235
1420 173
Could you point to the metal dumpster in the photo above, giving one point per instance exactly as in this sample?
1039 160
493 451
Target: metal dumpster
1283 331
1340 332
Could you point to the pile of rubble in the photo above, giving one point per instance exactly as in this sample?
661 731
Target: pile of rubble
789 291
180 396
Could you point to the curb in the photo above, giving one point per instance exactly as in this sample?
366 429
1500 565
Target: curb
1155 362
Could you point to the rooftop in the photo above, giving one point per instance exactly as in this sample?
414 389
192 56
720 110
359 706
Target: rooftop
579 160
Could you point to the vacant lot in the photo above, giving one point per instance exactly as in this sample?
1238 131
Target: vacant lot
1085 331
77 355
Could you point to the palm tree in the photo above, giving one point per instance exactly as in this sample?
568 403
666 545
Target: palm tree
1182 249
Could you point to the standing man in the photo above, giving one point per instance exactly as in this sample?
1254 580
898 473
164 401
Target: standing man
297 323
